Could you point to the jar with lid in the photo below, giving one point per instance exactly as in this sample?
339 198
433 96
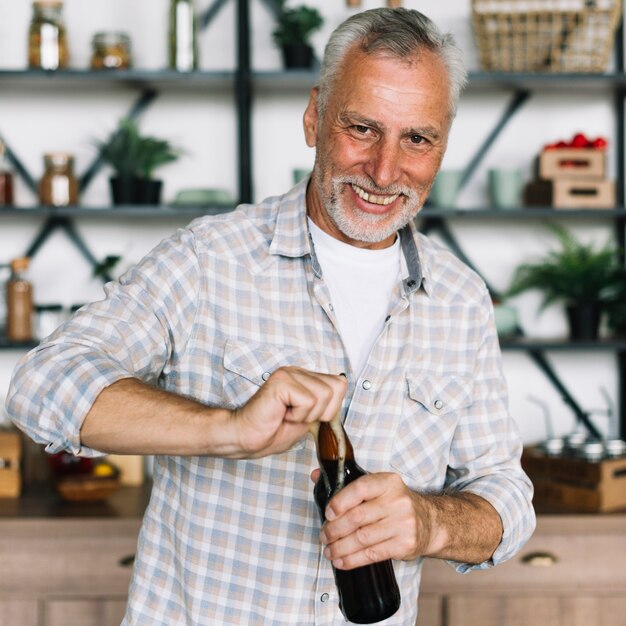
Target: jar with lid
6 179
47 38
58 186
19 293
111 51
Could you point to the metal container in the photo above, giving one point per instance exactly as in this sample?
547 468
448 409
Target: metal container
615 448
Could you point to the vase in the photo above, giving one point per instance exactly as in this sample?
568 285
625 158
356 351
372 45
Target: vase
121 189
134 190
298 56
147 191
584 321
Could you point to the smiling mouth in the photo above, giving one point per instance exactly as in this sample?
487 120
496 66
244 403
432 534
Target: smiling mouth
382 200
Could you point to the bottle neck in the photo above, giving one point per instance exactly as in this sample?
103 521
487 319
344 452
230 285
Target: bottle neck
328 445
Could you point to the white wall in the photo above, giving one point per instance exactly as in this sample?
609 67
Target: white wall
35 121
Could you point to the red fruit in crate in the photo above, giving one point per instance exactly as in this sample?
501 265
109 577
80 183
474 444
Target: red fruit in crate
600 143
580 141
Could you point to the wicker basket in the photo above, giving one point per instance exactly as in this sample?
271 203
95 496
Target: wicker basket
545 35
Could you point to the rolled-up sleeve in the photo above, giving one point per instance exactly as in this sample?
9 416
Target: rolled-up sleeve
132 332
486 451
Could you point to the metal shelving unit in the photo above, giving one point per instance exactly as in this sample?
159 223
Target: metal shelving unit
246 83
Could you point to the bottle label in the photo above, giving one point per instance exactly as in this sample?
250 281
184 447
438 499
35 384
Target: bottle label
184 36
60 191
49 47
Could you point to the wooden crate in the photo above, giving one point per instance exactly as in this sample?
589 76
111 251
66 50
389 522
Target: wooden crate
583 194
575 163
10 454
576 485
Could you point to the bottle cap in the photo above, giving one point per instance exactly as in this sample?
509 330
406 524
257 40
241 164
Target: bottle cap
20 264
58 159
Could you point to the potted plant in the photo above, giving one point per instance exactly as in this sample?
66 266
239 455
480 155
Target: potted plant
578 275
294 27
134 158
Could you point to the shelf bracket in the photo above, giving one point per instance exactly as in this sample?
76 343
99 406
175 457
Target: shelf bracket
19 167
519 98
55 222
207 16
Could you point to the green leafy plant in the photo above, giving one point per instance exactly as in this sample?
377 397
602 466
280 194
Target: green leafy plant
576 274
130 153
296 25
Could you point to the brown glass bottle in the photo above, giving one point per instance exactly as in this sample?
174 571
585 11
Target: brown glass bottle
367 594
19 302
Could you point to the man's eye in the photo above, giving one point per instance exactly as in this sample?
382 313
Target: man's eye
417 139
361 129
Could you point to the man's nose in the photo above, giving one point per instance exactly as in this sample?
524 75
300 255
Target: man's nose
384 163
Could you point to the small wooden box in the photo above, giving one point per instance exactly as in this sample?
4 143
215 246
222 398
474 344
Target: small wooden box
10 454
571 484
574 163
583 194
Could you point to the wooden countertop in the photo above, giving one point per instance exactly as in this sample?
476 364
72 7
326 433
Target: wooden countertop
43 503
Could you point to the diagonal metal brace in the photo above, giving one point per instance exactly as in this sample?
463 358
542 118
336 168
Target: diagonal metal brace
518 100
19 167
55 222
207 16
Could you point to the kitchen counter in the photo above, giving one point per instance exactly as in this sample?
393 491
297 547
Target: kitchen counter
42 502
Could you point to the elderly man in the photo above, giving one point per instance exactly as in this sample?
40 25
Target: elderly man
223 345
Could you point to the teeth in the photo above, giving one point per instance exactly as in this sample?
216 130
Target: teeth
368 197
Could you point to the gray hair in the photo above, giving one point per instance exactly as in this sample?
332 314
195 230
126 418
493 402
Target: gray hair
400 32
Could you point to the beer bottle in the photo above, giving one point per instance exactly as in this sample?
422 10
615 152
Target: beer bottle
370 593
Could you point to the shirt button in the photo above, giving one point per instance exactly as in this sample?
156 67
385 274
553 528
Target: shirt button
330 306
438 404
265 375
324 597
366 385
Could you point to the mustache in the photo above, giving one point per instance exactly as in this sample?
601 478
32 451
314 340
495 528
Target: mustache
369 185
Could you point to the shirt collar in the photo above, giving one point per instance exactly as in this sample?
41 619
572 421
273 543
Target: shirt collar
291 233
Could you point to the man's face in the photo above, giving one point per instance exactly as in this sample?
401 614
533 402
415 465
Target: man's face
378 146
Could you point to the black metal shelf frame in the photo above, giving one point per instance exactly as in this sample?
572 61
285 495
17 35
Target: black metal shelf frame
522 87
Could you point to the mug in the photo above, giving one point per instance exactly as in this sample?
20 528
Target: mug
445 188
505 188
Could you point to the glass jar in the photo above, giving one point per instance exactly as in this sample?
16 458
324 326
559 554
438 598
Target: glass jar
58 186
6 179
111 51
183 39
47 39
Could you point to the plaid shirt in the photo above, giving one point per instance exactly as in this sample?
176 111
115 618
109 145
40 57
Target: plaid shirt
209 314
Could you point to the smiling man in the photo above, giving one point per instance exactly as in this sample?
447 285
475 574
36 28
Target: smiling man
380 140
218 351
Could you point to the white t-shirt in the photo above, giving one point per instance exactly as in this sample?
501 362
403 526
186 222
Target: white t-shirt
360 282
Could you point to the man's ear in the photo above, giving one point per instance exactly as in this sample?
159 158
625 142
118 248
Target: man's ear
310 119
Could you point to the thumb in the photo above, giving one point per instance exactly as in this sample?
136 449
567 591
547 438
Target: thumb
315 474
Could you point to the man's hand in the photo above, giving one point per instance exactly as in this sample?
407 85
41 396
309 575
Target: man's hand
377 517
281 411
